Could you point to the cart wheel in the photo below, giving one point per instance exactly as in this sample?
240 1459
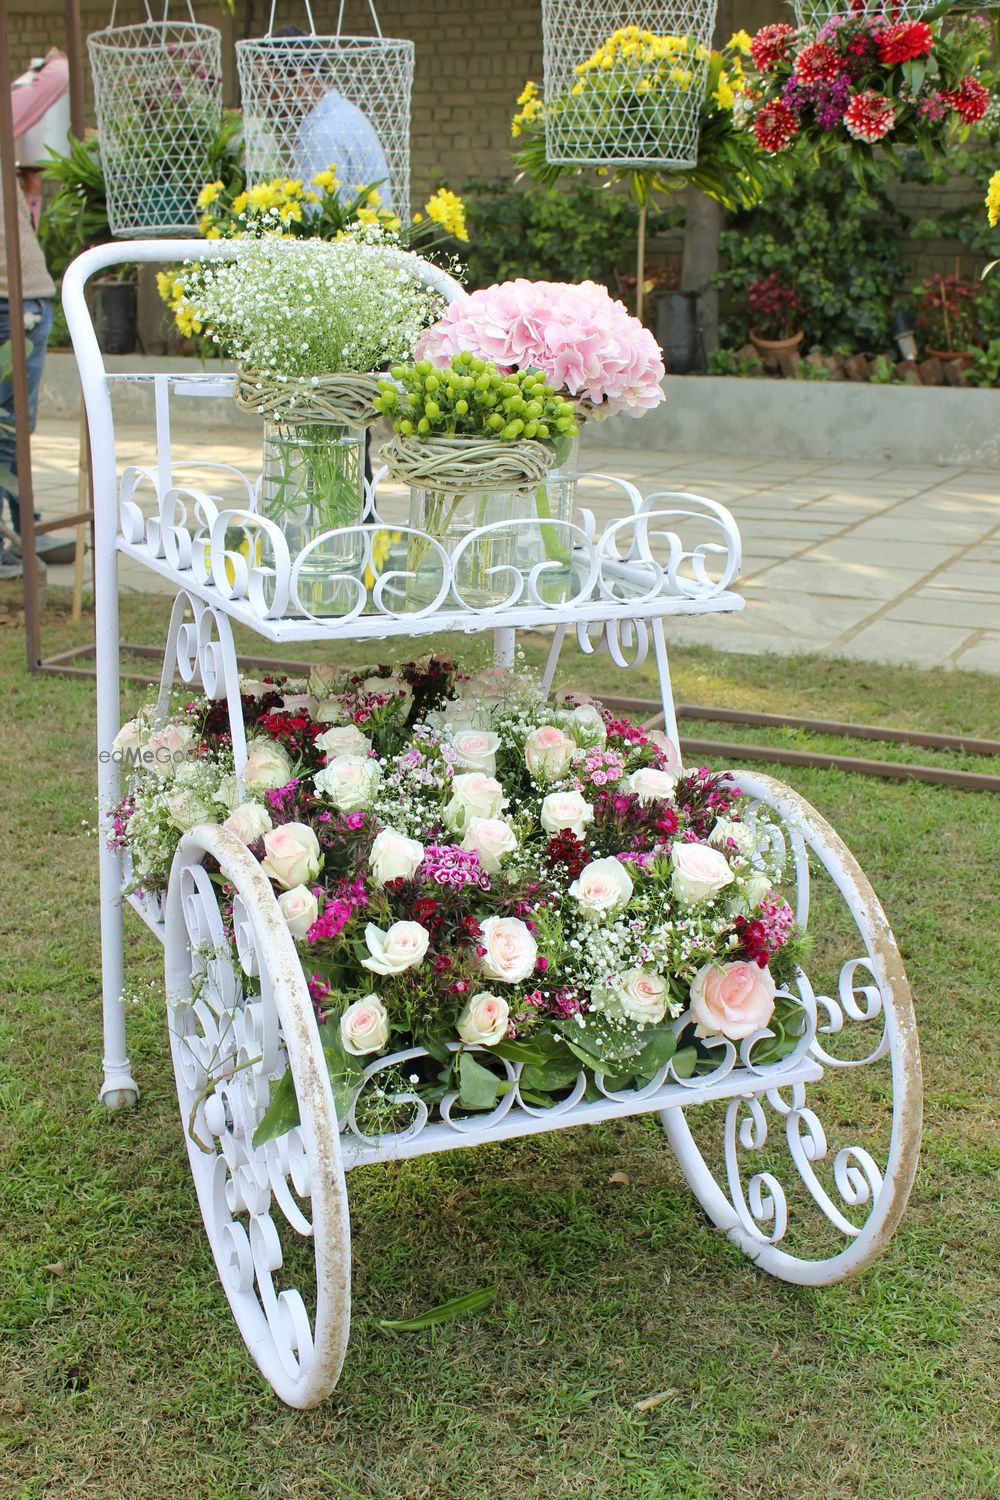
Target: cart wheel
276 1214
836 1208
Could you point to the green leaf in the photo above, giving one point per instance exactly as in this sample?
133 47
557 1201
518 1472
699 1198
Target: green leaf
471 1302
522 1052
684 1062
282 1114
478 1087
660 1048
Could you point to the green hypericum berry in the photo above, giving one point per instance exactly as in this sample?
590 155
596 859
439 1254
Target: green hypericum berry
406 428
494 422
461 407
432 409
423 426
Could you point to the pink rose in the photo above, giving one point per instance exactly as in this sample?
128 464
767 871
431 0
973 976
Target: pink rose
548 752
732 1000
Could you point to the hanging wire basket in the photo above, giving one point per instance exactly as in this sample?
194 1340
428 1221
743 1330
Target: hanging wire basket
624 83
158 94
812 14
314 102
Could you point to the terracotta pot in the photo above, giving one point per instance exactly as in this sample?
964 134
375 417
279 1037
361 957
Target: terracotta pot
771 348
961 357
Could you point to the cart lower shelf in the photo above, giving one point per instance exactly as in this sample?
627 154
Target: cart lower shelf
755 1152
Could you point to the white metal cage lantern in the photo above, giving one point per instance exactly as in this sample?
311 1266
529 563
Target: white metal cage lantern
158 94
813 14
311 102
624 82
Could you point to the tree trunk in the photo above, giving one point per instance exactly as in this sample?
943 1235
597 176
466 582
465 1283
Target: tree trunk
701 260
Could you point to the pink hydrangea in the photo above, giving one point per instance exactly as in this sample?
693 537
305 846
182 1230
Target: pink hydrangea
584 341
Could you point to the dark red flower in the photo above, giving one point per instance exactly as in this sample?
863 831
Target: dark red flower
904 40
818 63
775 126
970 100
771 45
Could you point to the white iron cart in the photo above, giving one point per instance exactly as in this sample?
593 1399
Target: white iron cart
805 1206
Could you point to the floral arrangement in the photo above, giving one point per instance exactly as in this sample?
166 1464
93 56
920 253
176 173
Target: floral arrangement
631 80
865 79
584 341
469 397
774 306
470 869
307 308
324 209
946 313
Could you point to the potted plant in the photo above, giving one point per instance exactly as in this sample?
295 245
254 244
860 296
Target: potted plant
312 326
946 318
775 309
474 445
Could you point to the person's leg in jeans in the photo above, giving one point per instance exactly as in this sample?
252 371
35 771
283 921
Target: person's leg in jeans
38 314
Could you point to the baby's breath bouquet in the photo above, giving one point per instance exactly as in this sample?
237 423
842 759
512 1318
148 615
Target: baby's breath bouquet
311 324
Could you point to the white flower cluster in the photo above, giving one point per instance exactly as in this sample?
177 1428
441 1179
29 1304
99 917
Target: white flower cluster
311 307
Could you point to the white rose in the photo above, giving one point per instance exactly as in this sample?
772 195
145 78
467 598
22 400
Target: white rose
297 703
492 683
187 808
129 740
349 781
392 687
741 834
484 1020
299 908
330 711
228 793
752 889
491 839
650 785
322 679
291 855
511 950
267 766
364 1026
566 810
473 795
602 886
394 856
168 747
252 687
400 947
249 822
476 748
588 722
642 995
667 748
548 752
346 739
699 872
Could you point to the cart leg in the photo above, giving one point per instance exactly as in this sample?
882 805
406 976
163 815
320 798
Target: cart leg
119 1087
503 647
666 689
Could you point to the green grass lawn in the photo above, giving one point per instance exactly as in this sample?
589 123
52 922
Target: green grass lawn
121 1373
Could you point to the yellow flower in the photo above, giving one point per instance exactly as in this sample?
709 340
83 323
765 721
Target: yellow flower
724 96
418 218
447 209
528 93
205 223
291 213
209 193
215 233
264 195
326 180
739 41
240 202
374 198
292 187
993 199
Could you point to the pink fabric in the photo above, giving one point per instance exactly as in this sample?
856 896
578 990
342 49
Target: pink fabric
35 97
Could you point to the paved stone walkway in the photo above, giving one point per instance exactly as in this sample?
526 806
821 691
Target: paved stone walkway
877 562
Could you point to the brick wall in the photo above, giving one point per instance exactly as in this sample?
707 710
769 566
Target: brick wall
472 58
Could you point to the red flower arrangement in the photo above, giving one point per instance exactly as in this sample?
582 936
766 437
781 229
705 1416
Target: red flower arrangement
865 79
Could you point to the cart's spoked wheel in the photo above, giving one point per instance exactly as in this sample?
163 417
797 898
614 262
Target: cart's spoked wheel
853 1134
276 1214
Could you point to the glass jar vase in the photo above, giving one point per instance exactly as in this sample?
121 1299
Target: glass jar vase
495 538
313 482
